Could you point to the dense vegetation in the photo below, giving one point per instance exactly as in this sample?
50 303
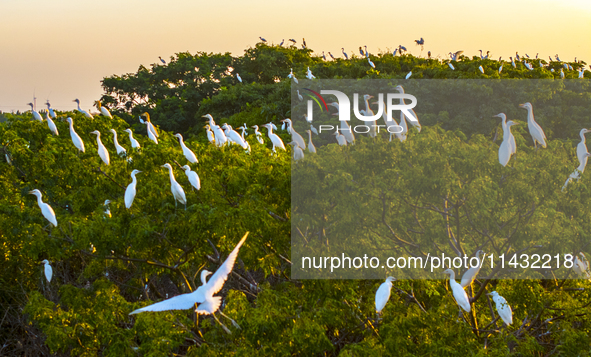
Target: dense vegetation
105 267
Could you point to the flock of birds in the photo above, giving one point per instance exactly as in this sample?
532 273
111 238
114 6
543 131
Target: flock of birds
226 135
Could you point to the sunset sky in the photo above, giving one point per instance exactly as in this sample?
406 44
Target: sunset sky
60 50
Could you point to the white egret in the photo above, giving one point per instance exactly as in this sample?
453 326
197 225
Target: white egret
275 139
408 75
75 137
234 137
561 74
51 124
481 69
131 189
471 273
193 177
458 292
451 66
46 209
300 98
150 125
581 266
134 143
415 122
120 149
292 76
190 155
258 134
313 129
535 129
48 270
311 147
175 187
309 74
500 69
208 304
383 294
345 128
244 128
219 136
368 112
210 136
391 125
582 148
36 114
504 127
102 150
341 140
107 211
51 112
104 111
295 136
576 175
298 153
86 114
151 135
503 308
505 150
371 63
238 77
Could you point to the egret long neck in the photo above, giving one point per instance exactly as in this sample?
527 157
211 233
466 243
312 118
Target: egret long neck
171 174
39 201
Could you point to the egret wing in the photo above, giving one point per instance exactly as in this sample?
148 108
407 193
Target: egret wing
179 302
382 296
217 280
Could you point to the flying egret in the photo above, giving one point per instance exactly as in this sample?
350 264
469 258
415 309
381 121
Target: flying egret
51 112
104 111
175 187
311 147
298 153
190 155
51 124
86 114
295 136
383 294
150 125
234 137
275 139
535 129
210 136
46 209
581 266
102 150
48 270
219 136
134 143
471 273
120 149
107 210
131 189
262 39
208 304
504 126
193 177
503 308
36 114
458 292
505 150
75 137
238 77
341 140
422 42
292 40
582 147
258 134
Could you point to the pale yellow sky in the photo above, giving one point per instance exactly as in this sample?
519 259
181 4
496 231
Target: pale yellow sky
61 49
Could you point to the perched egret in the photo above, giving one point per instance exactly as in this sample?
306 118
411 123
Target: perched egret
36 114
535 129
51 124
576 175
131 189
120 149
281 44
219 136
415 122
295 136
471 273
581 266
311 147
258 134
190 155
177 190
104 111
210 136
361 51
238 77
50 110
383 294
46 209
234 137
292 40
331 56
292 76
408 75
102 150
75 137
107 210
300 98
323 56
504 126
151 135
151 126
341 140
161 60
345 128
500 69
298 153
313 129
275 139
505 150
481 69
208 304
582 147
561 74
503 308
86 114
48 270
134 143
451 66
458 292
371 63
193 177
345 53
309 74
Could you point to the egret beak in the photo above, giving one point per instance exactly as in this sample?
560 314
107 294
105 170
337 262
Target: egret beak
31 192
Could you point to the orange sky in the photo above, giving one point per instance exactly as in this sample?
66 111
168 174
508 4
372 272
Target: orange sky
60 50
